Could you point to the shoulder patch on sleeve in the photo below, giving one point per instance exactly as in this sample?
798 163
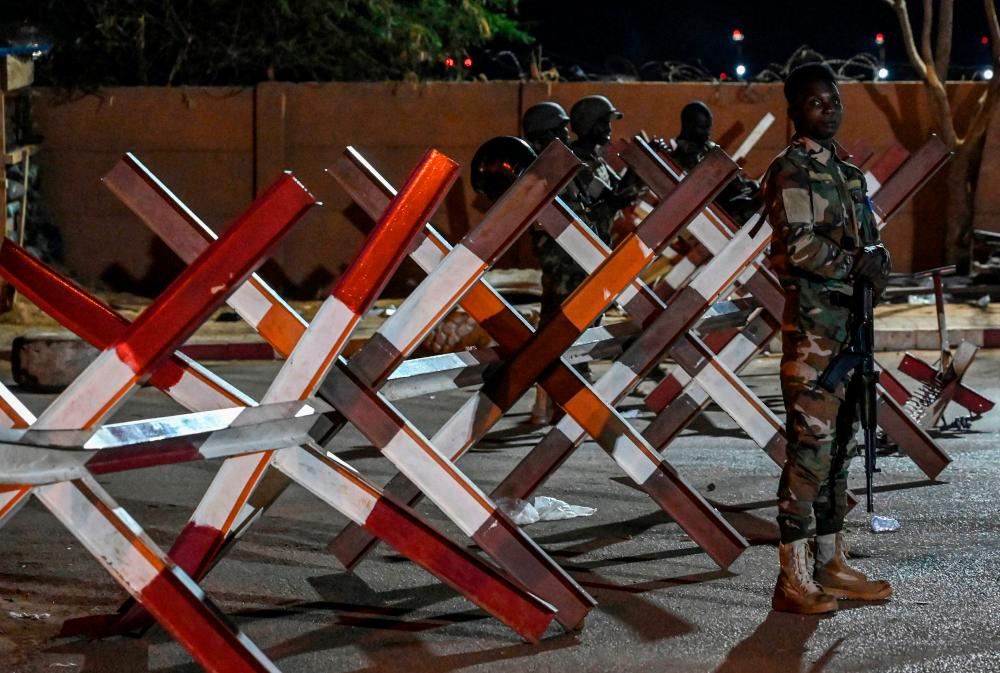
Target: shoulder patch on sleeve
798 205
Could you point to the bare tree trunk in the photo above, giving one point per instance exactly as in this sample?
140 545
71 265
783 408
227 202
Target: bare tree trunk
962 178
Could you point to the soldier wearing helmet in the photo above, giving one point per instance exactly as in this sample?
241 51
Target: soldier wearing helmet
595 195
544 123
597 192
498 163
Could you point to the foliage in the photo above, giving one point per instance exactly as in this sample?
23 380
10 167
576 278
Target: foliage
241 42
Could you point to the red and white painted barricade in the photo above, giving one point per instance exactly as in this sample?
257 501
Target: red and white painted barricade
735 351
104 528
531 355
940 384
95 321
229 505
628 370
510 330
324 475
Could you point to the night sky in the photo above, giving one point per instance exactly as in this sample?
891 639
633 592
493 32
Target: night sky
592 33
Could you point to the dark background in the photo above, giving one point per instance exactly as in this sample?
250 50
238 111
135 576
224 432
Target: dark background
597 34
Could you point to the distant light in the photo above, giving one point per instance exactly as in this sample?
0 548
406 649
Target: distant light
738 35
879 38
741 70
883 73
449 62
467 62
984 40
988 73
723 76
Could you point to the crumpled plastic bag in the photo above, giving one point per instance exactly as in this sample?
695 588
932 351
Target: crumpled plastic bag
884 524
36 616
544 508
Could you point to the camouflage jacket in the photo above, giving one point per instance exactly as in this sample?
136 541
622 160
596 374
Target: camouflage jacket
687 153
818 206
592 193
740 198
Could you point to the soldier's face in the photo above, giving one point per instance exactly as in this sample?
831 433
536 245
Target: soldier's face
601 132
699 130
818 111
539 141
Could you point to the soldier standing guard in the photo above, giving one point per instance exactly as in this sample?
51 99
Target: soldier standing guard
741 197
595 194
825 237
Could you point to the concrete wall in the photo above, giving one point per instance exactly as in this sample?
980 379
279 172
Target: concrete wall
216 148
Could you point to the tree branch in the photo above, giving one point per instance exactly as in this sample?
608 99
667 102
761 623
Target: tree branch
925 34
936 89
909 42
994 27
988 103
946 10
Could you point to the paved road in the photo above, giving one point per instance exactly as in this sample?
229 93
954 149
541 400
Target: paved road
663 605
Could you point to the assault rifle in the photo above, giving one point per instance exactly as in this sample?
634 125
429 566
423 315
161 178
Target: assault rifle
859 357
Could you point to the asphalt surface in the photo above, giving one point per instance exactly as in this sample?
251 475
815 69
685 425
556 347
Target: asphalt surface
663 605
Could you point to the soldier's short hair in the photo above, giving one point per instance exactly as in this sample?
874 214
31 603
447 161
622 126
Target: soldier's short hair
694 110
804 75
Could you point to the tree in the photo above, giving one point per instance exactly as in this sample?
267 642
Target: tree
241 42
931 62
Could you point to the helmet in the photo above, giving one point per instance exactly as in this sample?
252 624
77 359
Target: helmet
542 117
588 111
498 163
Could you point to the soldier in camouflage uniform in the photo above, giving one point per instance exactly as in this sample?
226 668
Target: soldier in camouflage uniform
825 237
542 124
595 194
741 197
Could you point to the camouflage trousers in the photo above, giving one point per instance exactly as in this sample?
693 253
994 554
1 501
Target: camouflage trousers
560 276
821 429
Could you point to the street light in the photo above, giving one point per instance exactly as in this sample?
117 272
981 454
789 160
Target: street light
988 73
741 70
883 73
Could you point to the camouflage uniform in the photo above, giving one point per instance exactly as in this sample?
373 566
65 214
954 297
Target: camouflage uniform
740 198
590 196
819 209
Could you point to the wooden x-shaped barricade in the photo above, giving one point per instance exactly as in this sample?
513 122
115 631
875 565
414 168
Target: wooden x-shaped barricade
324 475
691 353
438 294
941 384
537 356
231 503
132 356
680 397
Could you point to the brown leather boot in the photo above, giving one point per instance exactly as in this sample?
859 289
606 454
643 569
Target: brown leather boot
796 590
841 580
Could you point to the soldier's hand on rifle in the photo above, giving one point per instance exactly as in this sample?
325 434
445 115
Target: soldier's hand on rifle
659 144
873 263
623 198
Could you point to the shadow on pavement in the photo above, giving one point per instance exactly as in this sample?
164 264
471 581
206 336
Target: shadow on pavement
778 645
